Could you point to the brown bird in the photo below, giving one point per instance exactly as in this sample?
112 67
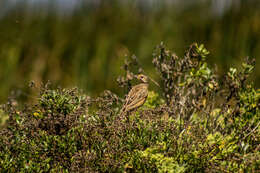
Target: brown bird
136 96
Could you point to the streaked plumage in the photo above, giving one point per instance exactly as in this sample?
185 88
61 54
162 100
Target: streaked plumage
136 96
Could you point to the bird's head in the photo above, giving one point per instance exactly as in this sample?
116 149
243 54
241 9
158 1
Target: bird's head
142 78
145 79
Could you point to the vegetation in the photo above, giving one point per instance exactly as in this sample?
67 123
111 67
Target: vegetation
86 47
196 122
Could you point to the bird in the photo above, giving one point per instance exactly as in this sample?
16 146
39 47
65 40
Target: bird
136 96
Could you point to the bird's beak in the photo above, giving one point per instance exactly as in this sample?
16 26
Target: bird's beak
154 82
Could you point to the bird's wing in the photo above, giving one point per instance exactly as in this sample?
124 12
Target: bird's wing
134 93
136 103
136 97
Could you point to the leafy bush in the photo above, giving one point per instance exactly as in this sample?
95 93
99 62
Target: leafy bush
201 123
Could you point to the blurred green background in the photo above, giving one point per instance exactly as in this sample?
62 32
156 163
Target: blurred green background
84 43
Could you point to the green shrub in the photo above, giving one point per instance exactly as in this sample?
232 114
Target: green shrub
196 122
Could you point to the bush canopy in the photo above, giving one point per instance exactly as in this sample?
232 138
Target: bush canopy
197 121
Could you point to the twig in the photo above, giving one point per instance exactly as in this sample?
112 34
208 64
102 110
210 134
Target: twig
252 131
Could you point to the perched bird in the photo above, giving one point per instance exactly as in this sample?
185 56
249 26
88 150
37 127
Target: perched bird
136 96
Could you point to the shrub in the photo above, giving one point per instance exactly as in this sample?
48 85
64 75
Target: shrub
201 123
